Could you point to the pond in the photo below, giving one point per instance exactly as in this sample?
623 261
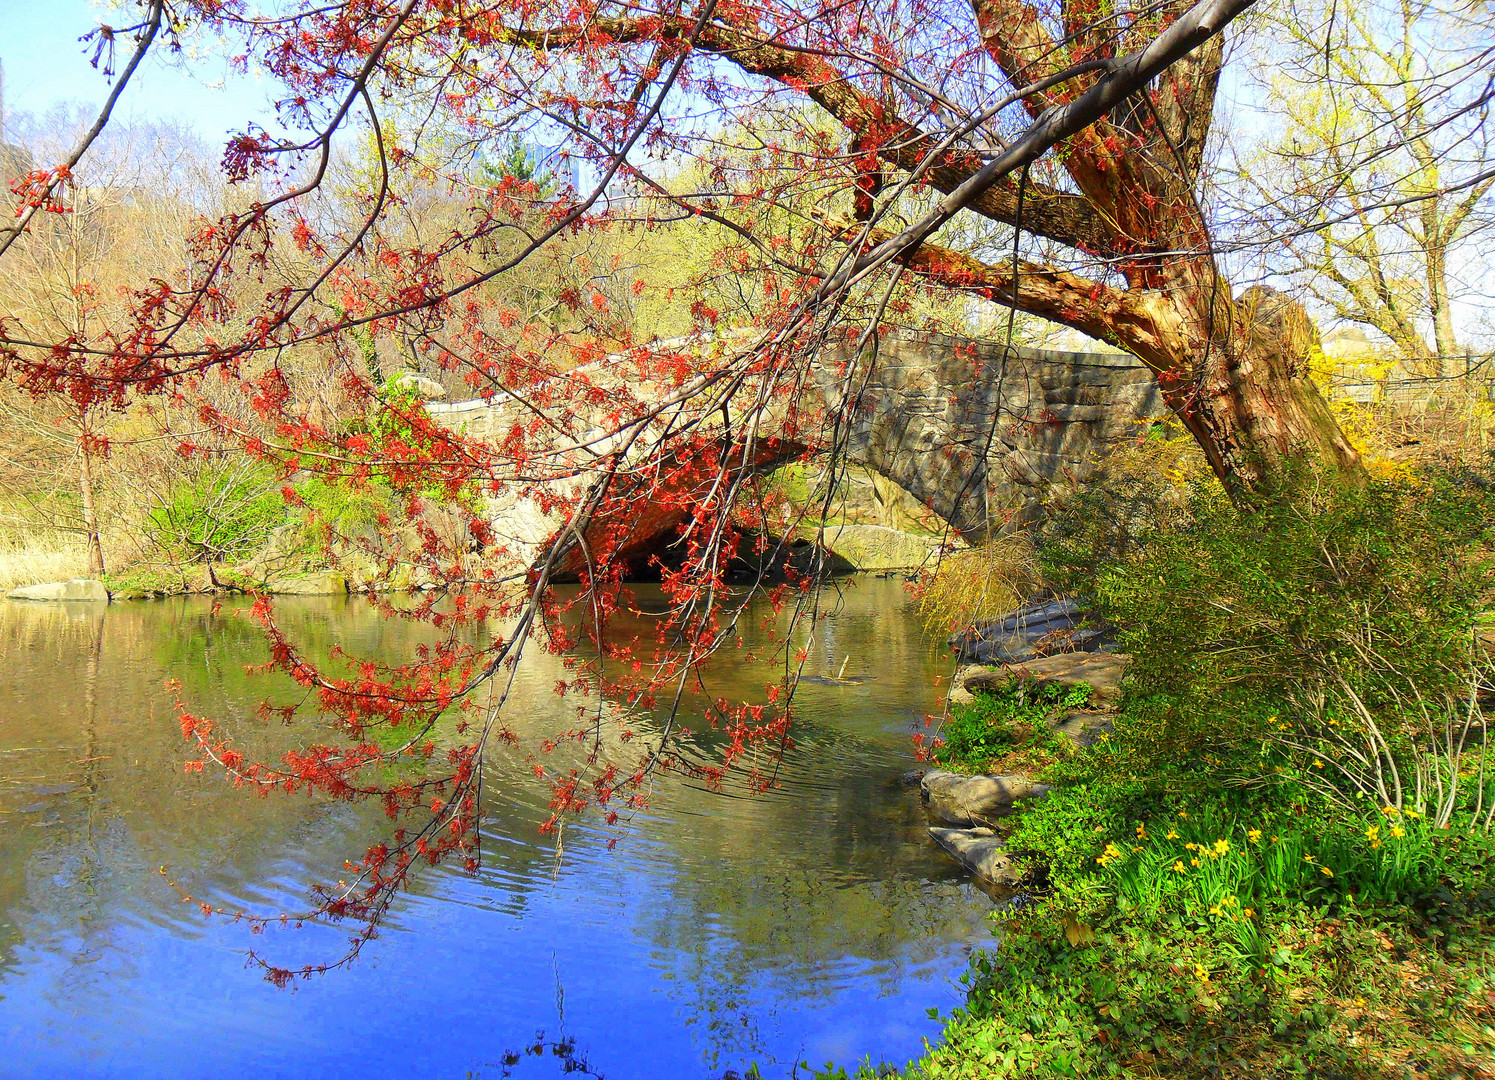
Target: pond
724 930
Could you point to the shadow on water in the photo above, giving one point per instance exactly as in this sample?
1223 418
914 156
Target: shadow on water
814 922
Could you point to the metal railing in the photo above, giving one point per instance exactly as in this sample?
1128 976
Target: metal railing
1468 376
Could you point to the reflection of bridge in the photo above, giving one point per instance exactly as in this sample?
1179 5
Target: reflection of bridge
975 431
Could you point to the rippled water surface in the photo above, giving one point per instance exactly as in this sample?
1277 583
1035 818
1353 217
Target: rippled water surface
812 923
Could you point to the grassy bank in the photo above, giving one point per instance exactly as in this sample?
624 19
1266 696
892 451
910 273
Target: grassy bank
1280 863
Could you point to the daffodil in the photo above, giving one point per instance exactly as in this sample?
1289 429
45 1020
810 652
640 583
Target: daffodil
1254 835
1178 867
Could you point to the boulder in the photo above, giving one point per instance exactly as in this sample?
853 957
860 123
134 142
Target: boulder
957 799
326 583
85 589
1102 671
422 387
980 851
876 547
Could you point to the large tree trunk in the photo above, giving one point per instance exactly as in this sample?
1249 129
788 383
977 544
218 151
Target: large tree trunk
1236 373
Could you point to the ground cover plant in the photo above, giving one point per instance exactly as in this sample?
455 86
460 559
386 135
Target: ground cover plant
986 733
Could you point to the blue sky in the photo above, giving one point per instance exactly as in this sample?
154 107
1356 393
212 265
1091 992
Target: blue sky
45 64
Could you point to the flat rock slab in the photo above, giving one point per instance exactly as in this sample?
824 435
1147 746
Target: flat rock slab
957 799
1102 671
86 589
980 851
1036 630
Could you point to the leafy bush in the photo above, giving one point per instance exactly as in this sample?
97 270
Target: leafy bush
1244 625
223 511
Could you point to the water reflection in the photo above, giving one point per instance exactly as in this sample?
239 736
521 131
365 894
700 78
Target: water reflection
811 923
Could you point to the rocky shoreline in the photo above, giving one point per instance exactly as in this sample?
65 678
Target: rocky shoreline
967 812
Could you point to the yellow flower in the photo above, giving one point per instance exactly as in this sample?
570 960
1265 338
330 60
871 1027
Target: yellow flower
1254 835
1248 912
1308 858
1178 867
1199 972
1317 764
1141 831
1183 813
1372 833
1326 871
1398 832
1189 847
1194 862
1222 846
1172 835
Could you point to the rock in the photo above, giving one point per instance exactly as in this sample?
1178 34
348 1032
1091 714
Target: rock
1102 671
326 583
85 589
1036 630
973 800
1084 728
911 777
876 547
980 851
419 385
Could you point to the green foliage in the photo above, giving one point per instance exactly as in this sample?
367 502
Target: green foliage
1217 900
1236 619
521 162
224 511
996 724
341 509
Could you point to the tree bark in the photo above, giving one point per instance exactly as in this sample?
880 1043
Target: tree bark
90 517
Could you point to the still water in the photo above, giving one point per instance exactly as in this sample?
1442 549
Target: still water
814 923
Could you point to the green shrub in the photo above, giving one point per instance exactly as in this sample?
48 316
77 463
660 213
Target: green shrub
224 511
1244 625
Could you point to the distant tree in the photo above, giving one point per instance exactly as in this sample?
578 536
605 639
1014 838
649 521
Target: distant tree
1373 190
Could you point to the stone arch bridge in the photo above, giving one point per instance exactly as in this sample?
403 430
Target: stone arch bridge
979 432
